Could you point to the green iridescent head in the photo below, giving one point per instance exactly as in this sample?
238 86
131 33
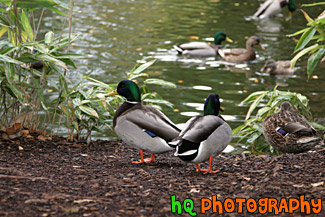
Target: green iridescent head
220 37
129 90
212 105
292 5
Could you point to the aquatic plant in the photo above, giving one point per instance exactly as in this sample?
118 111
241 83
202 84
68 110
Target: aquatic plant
88 107
316 33
27 62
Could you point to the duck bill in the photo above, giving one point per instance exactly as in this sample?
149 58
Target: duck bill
113 93
221 109
261 46
290 14
229 40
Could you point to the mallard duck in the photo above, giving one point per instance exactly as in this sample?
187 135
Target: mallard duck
202 49
204 137
272 7
142 127
240 54
277 67
288 131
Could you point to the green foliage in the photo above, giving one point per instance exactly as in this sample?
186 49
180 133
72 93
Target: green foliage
26 63
88 106
265 103
316 33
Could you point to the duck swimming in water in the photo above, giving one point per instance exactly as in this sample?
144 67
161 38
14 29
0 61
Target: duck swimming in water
281 67
272 7
239 55
202 49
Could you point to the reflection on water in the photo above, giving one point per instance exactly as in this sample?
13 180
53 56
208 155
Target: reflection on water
119 33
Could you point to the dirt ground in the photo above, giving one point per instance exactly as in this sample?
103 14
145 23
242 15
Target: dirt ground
59 178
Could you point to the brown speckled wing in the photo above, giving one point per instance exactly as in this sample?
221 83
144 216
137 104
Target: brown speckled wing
297 128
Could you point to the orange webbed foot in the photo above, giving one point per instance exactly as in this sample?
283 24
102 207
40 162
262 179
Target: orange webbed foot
142 160
198 169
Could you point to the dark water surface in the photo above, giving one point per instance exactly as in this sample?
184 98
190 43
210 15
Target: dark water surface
118 33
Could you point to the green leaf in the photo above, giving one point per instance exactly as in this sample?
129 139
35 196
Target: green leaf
301 53
3 30
55 10
89 111
298 32
305 38
313 4
69 56
63 85
303 100
10 74
2 10
313 61
317 125
39 93
62 4
4 21
258 128
35 3
69 63
238 129
26 25
254 105
98 83
262 111
134 76
48 58
254 137
307 16
8 50
49 38
42 48
7 59
27 58
159 82
253 96
63 41
143 67
76 102
12 38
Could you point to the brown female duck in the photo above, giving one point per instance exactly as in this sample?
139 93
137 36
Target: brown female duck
241 54
281 67
288 131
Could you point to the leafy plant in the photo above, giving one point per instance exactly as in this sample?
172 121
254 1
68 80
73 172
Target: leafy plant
88 107
25 63
315 32
265 103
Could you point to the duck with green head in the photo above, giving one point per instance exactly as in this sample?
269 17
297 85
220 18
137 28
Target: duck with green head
142 127
272 7
204 137
288 131
203 49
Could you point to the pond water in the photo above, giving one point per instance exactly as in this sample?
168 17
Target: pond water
117 33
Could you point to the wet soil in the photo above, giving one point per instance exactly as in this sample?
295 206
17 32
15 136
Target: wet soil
60 178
